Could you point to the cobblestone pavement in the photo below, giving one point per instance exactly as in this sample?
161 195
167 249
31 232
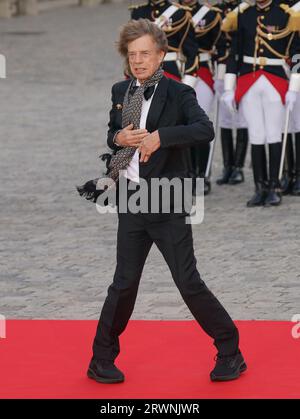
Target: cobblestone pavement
57 252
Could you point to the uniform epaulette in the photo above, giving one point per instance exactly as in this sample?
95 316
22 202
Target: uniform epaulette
294 20
230 22
243 7
136 6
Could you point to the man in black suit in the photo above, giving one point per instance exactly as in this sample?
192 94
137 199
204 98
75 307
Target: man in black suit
170 122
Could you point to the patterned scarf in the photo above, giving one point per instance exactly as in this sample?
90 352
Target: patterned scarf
131 114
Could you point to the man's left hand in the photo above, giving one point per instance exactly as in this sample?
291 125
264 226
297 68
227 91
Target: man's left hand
149 145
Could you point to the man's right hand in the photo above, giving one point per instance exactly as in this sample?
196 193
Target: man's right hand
129 137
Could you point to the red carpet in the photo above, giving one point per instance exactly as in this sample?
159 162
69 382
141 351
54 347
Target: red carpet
161 359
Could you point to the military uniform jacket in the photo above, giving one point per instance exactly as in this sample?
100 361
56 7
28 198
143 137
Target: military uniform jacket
206 21
264 33
207 29
269 33
223 43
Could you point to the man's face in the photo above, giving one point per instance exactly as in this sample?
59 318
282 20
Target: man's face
144 57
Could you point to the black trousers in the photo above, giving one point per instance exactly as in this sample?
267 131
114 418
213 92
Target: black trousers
173 237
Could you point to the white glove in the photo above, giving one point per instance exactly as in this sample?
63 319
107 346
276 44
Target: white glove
228 98
219 87
290 99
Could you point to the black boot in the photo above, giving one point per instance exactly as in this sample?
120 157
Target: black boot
207 186
227 150
288 174
296 186
195 161
202 162
274 196
237 175
194 167
259 167
199 157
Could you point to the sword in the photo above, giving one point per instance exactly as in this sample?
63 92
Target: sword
284 141
213 142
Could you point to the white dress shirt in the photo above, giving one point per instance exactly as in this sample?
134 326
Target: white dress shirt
132 171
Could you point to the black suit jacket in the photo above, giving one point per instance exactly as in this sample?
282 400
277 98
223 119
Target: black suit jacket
180 121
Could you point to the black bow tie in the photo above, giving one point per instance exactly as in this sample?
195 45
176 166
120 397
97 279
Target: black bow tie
147 93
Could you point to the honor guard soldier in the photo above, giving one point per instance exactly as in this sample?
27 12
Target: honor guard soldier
233 157
206 21
290 182
257 79
181 60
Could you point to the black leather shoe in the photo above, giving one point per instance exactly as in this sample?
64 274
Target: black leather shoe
237 176
104 371
273 197
224 178
286 184
258 199
228 367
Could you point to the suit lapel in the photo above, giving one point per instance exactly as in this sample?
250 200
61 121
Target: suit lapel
157 104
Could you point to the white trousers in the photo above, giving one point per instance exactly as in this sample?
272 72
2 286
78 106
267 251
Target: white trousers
205 96
264 112
229 120
295 116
